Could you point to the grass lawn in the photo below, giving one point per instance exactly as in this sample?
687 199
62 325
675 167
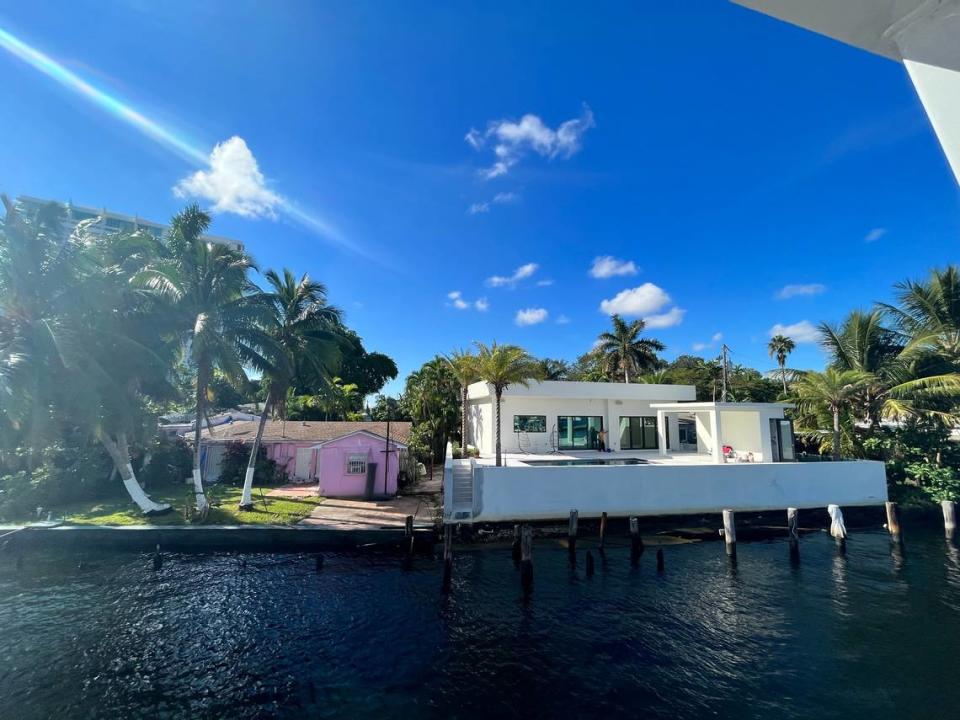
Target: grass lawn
223 511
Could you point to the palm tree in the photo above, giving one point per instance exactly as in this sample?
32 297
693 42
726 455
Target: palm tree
502 366
908 376
430 398
832 391
624 350
301 326
928 312
464 366
219 315
75 347
780 346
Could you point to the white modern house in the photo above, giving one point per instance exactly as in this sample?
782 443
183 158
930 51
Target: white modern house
666 453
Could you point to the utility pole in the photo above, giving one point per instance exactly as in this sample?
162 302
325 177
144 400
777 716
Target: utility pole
723 392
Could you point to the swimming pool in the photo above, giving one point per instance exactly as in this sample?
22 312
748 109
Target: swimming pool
588 461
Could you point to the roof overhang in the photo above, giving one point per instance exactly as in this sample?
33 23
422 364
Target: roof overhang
722 406
373 436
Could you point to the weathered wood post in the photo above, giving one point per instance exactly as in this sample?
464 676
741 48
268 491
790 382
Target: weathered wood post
893 521
949 517
572 536
603 529
793 533
730 532
636 541
319 563
408 536
590 567
659 560
515 549
447 556
526 559
157 558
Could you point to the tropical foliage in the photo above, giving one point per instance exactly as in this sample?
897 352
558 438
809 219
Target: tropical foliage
102 333
624 352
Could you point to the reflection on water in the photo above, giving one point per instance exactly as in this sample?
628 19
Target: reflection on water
854 635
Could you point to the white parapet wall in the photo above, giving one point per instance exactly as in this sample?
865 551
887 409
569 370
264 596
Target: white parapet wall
549 492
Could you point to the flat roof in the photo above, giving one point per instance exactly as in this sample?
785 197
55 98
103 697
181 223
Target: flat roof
569 389
713 405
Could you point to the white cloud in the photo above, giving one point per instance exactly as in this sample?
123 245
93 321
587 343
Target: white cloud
521 273
607 266
544 283
478 208
801 332
636 302
512 140
714 339
674 316
530 316
875 234
233 183
562 320
791 291
457 301
506 197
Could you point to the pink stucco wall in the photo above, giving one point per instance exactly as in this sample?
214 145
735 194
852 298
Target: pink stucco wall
285 455
334 480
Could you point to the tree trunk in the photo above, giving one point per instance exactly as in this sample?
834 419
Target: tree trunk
626 372
463 418
120 455
197 480
783 376
499 456
836 433
246 498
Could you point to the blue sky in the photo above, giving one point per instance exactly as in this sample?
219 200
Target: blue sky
406 153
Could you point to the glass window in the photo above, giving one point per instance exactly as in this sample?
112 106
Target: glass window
356 464
579 432
638 433
530 423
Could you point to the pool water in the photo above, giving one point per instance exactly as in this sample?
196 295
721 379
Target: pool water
587 461
871 634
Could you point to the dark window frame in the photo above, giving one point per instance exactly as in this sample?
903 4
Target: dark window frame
591 445
647 421
527 430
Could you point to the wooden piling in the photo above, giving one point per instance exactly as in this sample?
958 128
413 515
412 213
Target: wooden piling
893 520
515 549
526 559
603 528
659 560
793 533
590 565
319 563
730 532
447 556
949 517
572 534
157 558
636 541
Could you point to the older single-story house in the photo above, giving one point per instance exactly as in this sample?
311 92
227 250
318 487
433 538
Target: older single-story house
345 459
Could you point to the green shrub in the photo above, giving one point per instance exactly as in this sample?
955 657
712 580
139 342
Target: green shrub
171 461
233 466
939 483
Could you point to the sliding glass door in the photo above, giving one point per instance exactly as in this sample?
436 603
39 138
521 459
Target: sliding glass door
579 432
638 433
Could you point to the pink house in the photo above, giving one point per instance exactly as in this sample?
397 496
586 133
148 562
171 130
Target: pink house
354 465
338 456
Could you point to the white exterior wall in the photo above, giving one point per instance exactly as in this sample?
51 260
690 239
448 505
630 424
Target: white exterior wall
553 399
741 431
546 493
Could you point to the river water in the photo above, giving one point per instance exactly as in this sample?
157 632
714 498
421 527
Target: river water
871 634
